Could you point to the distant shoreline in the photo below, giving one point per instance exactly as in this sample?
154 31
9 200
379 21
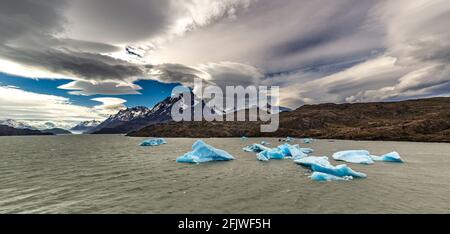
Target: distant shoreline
249 138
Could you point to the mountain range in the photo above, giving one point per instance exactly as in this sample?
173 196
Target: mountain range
12 127
412 120
85 126
6 130
16 124
135 118
425 120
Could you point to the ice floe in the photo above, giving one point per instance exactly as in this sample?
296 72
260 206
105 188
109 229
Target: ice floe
292 151
265 143
255 148
322 164
390 157
202 153
321 177
307 140
354 156
267 155
287 139
285 151
154 142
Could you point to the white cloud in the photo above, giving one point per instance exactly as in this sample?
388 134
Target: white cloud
317 51
38 109
109 105
89 88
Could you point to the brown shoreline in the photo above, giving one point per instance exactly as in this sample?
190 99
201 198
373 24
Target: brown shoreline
424 120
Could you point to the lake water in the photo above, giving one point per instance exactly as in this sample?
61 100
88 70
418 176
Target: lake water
112 174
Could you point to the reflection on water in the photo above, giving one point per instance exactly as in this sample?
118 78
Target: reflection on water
111 174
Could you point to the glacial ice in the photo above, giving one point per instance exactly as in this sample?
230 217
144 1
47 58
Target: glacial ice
255 148
267 155
244 138
287 139
307 150
202 153
281 152
293 151
322 164
262 157
390 157
265 143
307 140
354 156
321 177
154 142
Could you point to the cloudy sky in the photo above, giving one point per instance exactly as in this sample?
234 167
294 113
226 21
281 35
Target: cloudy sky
67 61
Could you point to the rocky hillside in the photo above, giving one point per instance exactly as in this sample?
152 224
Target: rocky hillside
85 126
10 131
57 131
136 118
426 120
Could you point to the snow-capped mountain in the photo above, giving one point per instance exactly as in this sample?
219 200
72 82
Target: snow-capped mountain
85 126
16 124
120 122
135 118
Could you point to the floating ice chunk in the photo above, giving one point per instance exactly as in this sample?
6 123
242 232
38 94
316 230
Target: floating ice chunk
281 152
267 155
390 157
322 164
154 142
313 160
262 157
265 143
307 140
340 170
319 176
354 156
203 152
256 148
244 138
292 151
288 139
307 150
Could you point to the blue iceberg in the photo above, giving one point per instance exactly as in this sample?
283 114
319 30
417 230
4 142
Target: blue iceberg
255 148
390 157
288 139
244 138
281 152
267 155
262 157
322 164
292 151
307 150
154 142
307 140
321 177
202 153
354 156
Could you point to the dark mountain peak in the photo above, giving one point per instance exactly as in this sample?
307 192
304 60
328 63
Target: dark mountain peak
57 131
138 117
414 120
10 131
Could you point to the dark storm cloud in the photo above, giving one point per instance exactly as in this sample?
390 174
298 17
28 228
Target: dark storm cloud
83 65
31 34
318 51
175 73
118 21
22 18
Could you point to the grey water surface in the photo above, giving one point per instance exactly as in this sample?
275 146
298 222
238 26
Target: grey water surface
112 174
